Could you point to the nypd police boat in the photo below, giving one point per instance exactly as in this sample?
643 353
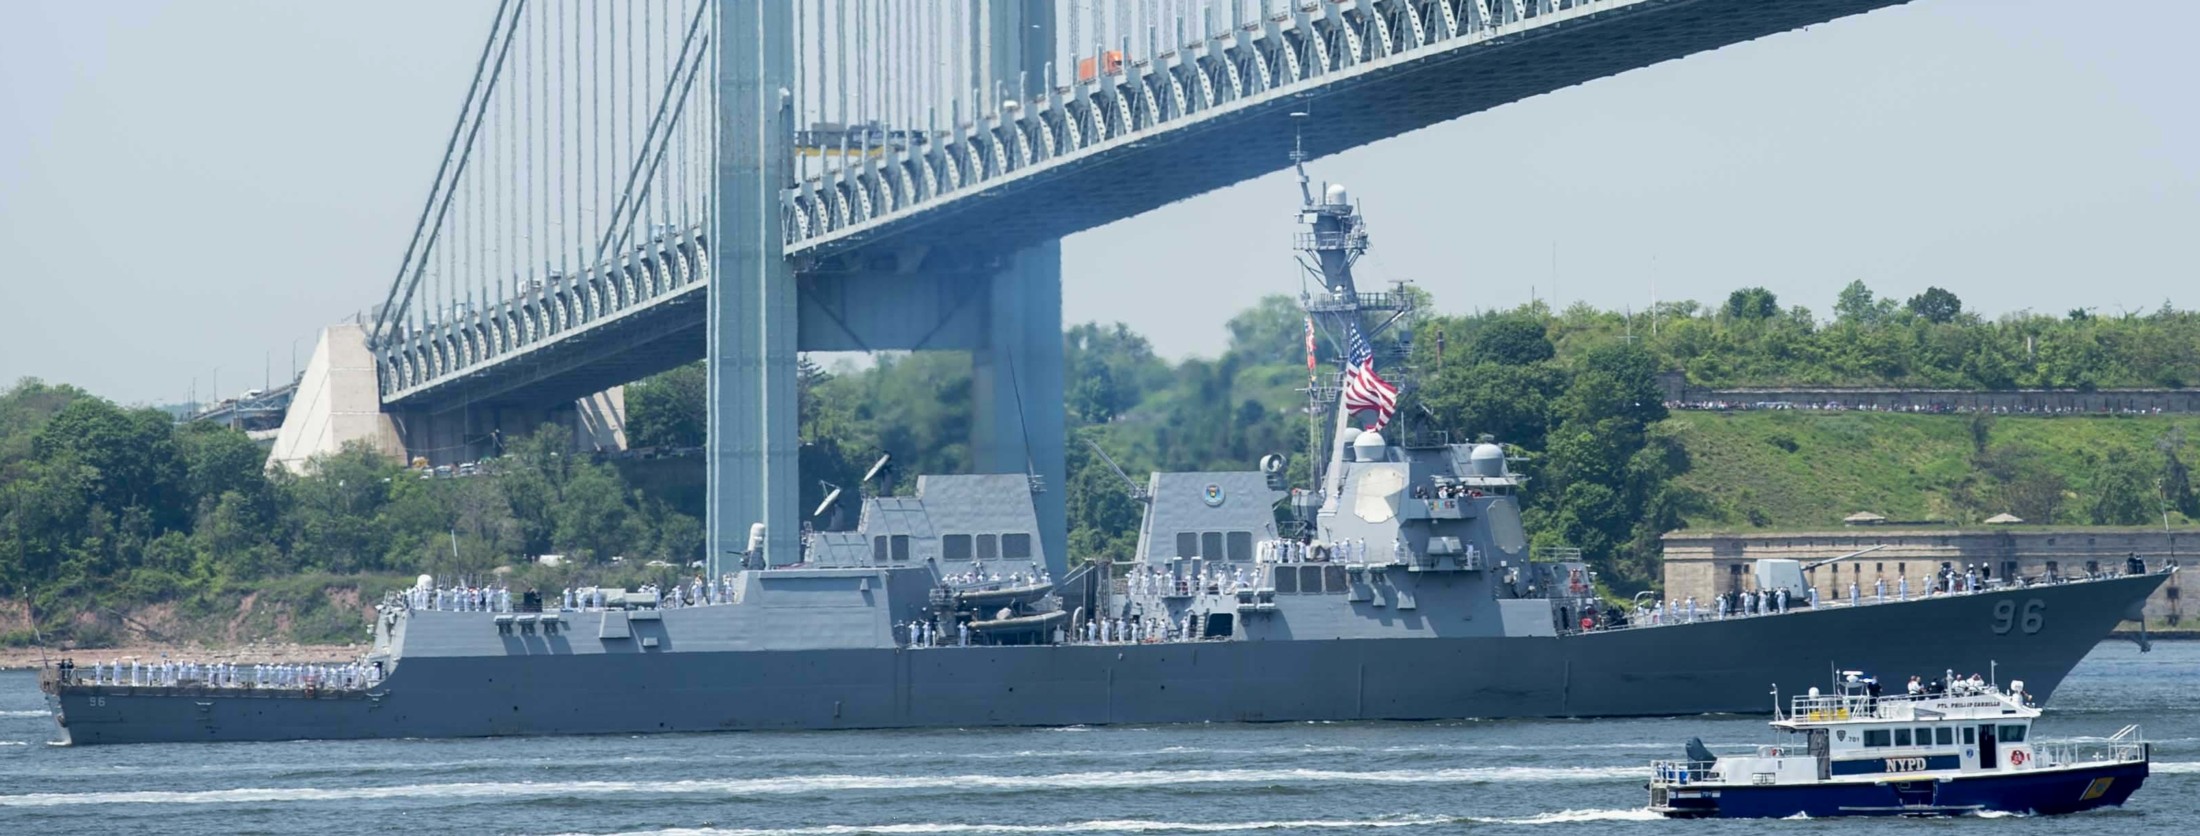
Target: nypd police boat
1960 746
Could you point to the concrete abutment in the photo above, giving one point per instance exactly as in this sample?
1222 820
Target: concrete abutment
339 403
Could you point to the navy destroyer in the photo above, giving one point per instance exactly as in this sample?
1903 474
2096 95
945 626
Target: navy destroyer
1397 585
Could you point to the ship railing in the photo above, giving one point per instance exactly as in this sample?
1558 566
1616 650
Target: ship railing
2122 747
1673 773
1340 240
1837 707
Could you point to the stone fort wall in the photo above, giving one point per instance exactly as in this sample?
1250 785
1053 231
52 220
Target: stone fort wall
2053 401
1707 564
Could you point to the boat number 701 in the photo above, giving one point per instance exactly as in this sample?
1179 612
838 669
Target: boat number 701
2006 617
1905 764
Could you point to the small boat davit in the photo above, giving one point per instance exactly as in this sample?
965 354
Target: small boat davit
1960 746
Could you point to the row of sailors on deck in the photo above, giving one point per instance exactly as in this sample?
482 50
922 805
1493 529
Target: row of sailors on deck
697 592
1093 631
1763 601
977 575
232 675
1156 580
460 598
1308 551
1139 630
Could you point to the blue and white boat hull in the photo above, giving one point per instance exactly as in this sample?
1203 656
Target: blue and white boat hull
2035 792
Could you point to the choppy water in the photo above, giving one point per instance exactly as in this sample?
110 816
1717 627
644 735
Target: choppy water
1454 777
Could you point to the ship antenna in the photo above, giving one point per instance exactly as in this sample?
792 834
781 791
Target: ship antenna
1298 155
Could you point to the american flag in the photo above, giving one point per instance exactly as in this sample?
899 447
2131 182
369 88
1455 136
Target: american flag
1364 390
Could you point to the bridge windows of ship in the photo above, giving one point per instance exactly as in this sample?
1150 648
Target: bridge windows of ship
1215 545
985 547
1310 579
890 548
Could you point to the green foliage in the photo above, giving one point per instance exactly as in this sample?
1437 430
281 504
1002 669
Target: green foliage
105 509
667 410
1856 306
1929 343
2123 490
1752 303
1513 341
2048 471
1936 305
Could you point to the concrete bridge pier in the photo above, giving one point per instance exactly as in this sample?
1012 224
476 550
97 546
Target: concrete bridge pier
1007 310
1016 377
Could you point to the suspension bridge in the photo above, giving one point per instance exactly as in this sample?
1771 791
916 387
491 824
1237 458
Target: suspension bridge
630 186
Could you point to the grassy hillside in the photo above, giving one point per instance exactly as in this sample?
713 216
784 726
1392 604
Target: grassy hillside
1791 470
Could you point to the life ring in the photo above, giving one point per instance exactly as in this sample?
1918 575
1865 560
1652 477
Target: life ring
2017 758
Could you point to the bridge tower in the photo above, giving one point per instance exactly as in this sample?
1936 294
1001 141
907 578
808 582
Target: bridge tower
1004 306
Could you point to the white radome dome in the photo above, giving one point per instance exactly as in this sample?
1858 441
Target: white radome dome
1369 446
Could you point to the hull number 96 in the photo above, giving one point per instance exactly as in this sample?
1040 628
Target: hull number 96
2028 618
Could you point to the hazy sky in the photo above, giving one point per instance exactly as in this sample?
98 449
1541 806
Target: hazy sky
193 186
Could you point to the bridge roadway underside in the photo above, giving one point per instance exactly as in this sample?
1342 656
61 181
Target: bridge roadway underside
1349 108
592 357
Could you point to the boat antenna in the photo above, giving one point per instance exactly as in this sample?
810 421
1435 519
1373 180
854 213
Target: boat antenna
1137 491
1298 155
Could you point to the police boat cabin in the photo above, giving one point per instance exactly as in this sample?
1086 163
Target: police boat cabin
1953 747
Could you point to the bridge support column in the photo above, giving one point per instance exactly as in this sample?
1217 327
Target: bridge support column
338 402
751 450
1016 377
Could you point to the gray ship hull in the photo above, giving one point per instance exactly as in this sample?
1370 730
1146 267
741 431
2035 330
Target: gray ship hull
1704 667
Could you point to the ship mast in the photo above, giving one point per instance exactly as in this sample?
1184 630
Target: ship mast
1335 238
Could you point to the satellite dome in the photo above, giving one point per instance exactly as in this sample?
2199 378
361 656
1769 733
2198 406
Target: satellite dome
424 582
1348 437
1368 446
1335 195
1487 460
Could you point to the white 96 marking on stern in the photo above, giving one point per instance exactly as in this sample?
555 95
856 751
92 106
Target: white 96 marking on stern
2007 617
